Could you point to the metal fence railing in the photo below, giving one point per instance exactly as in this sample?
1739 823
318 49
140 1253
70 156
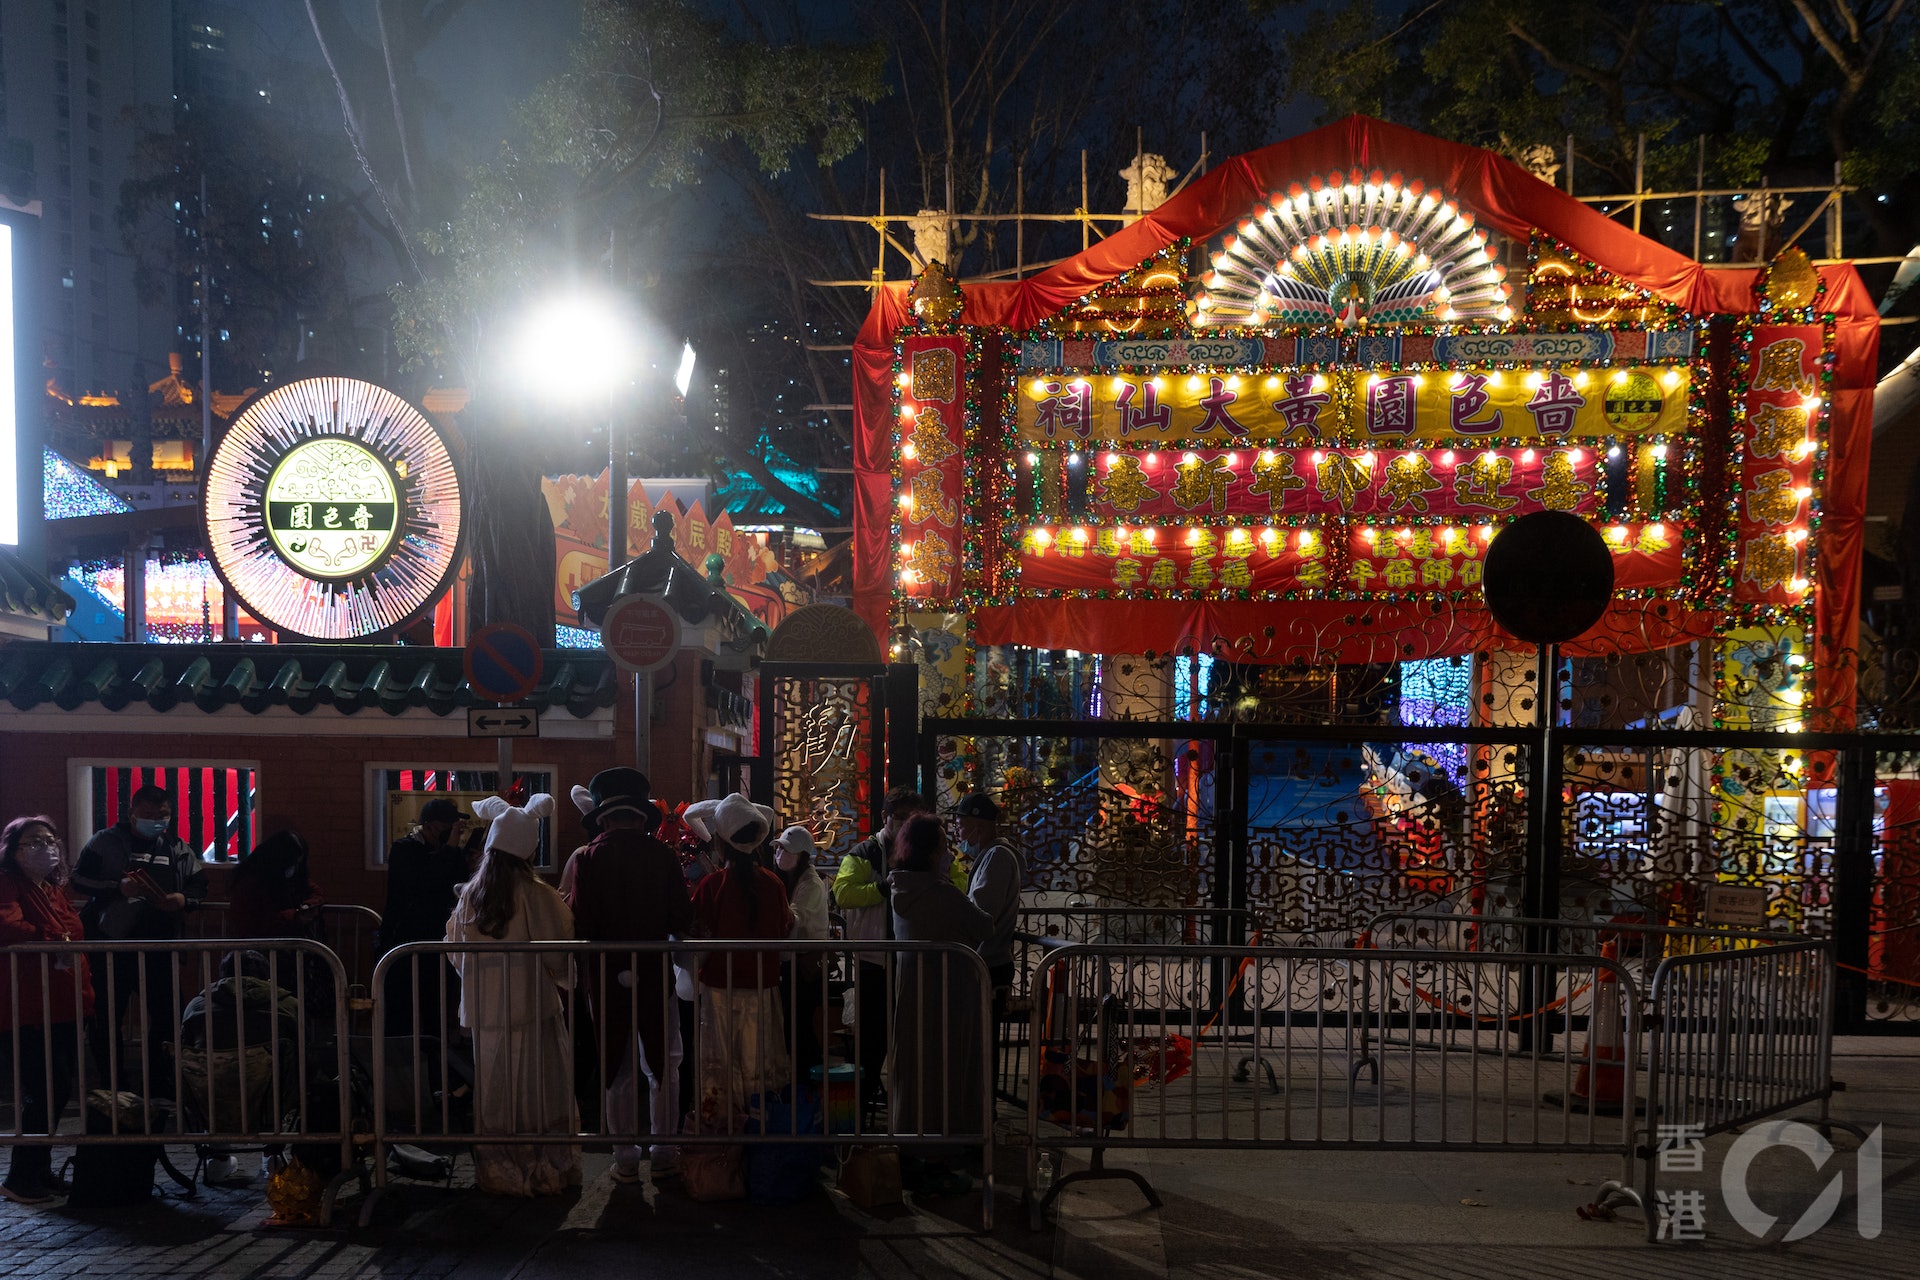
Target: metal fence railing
761 1078
1441 1040
1638 947
1252 1048
1041 929
1736 1036
350 931
196 1043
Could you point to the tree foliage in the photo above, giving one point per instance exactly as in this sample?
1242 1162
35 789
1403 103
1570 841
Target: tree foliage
651 90
1779 88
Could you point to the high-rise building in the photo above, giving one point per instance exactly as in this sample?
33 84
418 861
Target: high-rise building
80 82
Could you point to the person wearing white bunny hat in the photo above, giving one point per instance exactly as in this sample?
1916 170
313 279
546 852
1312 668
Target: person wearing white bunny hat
741 1048
802 982
512 1004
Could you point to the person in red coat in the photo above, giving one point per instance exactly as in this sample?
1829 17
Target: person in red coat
742 1050
44 999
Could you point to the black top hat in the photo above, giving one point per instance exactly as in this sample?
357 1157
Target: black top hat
615 789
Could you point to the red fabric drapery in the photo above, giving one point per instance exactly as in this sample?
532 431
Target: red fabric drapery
1893 947
1502 196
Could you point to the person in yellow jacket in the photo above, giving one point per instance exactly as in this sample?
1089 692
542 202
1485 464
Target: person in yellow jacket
859 891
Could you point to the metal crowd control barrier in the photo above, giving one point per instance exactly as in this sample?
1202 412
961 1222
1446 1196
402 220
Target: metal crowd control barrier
1039 930
198 1042
1735 1037
755 1073
350 931
1447 931
1136 1048
1638 947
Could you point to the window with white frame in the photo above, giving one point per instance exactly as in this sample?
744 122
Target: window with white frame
215 802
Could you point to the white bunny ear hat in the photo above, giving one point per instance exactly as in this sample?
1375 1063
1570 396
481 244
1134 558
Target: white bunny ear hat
514 831
735 819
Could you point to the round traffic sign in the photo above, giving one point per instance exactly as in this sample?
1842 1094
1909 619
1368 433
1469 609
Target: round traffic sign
503 662
640 635
1549 577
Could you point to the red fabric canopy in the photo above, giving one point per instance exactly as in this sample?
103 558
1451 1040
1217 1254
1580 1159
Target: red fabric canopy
1502 196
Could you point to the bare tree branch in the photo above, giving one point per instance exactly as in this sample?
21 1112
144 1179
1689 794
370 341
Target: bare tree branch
399 114
357 137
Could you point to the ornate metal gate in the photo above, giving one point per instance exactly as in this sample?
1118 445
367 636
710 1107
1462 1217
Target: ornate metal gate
1318 800
823 744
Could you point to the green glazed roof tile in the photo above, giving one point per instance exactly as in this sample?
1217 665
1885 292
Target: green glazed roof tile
336 679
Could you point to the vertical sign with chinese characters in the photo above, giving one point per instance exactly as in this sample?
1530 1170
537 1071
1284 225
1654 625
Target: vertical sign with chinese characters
1778 443
931 455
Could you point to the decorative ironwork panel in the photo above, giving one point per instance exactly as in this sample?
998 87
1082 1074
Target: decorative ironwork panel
1103 821
1661 827
827 734
1340 832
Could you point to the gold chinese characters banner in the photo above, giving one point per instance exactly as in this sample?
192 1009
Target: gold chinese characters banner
1352 406
1778 439
1302 482
1351 562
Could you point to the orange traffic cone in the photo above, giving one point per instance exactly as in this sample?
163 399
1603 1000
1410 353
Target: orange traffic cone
1602 1082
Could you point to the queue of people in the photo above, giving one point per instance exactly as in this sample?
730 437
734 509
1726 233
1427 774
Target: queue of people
915 1024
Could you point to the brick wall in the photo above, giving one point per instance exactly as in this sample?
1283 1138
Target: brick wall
317 785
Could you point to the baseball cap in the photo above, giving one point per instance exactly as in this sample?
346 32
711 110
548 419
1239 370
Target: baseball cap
441 809
976 805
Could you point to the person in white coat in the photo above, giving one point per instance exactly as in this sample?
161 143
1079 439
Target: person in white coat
801 976
512 1004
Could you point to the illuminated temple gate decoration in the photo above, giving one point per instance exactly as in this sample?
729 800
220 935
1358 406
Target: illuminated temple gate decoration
1073 464
1239 462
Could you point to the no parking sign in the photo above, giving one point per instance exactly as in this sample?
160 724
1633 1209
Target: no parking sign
503 662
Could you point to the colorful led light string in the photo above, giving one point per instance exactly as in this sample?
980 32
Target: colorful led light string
986 581
1046 472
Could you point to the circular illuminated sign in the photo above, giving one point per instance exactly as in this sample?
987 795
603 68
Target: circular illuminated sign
334 509
331 508
1633 403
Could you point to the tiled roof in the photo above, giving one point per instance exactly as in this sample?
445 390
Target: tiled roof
28 593
255 677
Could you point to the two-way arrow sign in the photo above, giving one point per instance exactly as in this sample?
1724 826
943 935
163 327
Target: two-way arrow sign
503 722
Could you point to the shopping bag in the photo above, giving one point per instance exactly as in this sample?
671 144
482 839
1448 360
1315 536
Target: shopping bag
870 1176
712 1173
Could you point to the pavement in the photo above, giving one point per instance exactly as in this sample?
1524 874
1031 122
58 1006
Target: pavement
1240 1215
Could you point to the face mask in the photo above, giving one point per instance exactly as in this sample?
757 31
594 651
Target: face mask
787 858
151 828
40 859
291 872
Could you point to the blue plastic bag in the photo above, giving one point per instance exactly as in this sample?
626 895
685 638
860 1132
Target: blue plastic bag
785 1172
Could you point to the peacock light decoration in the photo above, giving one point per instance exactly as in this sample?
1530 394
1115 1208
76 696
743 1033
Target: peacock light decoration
1354 248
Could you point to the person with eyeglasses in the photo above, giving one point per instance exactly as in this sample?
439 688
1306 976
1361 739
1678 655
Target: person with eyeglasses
44 999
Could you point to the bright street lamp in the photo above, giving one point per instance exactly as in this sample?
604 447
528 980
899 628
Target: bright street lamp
576 347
